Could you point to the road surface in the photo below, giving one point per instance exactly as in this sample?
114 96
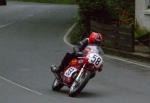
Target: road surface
31 38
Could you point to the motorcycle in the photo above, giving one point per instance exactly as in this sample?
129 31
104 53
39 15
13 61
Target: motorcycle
79 71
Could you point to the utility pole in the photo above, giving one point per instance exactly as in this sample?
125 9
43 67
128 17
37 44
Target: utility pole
2 2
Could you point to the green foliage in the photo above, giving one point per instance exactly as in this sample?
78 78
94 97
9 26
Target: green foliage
52 1
63 1
119 12
108 10
148 7
140 31
76 34
113 7
90 5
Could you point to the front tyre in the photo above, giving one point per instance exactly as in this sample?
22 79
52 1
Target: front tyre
77 86
57 85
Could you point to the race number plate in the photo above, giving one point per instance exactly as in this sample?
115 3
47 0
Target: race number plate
95 59
70 71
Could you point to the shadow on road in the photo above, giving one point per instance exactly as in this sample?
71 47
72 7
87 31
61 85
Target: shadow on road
89 94
83 94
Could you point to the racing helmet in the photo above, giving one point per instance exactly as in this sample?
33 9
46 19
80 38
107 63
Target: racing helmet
95 38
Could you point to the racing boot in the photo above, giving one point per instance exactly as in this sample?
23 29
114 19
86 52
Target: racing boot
56 71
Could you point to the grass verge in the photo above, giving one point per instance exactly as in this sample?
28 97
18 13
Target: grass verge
75 35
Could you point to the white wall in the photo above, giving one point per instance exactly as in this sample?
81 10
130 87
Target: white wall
140 11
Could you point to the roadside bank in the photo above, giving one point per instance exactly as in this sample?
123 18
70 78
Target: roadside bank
141 57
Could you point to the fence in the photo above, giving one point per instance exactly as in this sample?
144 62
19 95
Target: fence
115 37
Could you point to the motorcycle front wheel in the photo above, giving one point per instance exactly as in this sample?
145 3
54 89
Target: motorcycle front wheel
77 86
57 85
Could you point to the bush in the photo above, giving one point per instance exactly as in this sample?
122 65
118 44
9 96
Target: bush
140 31
51 1
108 10
116 12
76 34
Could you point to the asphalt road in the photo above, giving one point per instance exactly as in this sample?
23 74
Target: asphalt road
31 38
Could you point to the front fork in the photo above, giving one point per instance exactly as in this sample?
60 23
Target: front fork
92 74
79 75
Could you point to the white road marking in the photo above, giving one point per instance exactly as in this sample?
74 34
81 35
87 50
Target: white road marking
5 25
108 56
67 33
8 24
18 85
11 82
128 61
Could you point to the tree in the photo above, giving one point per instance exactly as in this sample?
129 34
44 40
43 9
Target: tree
106 11
88 9
2 2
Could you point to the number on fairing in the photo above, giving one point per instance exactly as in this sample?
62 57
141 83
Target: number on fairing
70 71
95 59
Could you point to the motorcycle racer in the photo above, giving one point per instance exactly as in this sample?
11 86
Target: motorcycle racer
78 50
